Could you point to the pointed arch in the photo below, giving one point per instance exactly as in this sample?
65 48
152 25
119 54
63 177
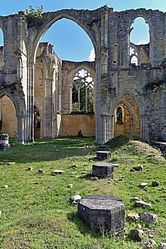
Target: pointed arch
50 20
139 40
8 116
131 123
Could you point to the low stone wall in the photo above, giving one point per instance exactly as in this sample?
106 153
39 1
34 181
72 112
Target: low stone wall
72 124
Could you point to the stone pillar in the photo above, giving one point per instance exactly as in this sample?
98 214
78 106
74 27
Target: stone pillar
48 110
20 129
29 120
102 82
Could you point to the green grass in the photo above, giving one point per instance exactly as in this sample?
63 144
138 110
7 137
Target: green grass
36 212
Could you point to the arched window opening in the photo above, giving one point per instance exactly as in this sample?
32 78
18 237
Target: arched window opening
119 115
134 59
75 45
82 92
8 119
37 122
139 42
1 51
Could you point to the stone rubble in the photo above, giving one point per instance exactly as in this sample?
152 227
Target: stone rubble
136 234
148 218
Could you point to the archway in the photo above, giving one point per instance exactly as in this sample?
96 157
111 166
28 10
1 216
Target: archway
127 118
8 119
49 80
139 42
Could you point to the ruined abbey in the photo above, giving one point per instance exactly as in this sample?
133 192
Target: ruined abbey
44 96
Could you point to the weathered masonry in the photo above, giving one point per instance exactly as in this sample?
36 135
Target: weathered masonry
127 98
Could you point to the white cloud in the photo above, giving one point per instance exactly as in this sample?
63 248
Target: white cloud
142 42
92 55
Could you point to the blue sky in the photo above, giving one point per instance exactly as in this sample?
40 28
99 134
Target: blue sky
69 40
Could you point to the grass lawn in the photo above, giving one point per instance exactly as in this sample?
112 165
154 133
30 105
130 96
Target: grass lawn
36 212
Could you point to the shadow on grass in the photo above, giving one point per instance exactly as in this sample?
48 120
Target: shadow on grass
50 150
59 148
117 142
86 177
82 227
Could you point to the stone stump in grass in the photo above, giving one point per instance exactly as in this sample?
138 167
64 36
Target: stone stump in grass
103 170
4 142
103 213
104 148
103 154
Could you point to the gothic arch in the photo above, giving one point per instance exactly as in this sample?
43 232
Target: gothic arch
50 18
132 122
19 104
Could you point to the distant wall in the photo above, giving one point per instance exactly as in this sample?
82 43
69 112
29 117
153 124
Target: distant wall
73 123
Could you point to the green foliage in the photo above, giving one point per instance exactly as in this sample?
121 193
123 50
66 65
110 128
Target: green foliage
75 107
34 17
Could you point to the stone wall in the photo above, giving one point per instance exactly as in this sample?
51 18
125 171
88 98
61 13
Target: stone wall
72 125
38 77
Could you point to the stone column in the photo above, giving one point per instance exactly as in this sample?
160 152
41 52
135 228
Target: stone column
48 110
102 77
29 120
20 129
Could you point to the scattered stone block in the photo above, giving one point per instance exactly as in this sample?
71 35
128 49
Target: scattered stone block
137 168
155 183
40 171
136 198
144 184
57 172
102 155
136 234
133 216
141 203
148 218
10 163
4 142
149 244
70 185
75 199
5 186
162 246
104 148
103 170
94 178
29 168
75 166
103 213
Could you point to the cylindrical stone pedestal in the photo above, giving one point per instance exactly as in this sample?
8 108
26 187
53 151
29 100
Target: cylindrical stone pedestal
103 170
4 142
103 213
